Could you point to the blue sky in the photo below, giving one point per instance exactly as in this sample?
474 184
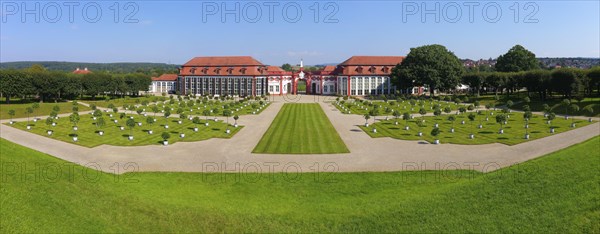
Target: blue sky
175 31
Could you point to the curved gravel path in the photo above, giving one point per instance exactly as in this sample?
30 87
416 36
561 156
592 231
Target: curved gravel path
234 155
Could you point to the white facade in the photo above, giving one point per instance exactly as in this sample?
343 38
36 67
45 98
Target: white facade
279 85
159 86
365 85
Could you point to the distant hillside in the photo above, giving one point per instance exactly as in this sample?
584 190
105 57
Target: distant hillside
110 67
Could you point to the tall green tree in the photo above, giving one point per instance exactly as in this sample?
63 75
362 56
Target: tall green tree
517 59
430 65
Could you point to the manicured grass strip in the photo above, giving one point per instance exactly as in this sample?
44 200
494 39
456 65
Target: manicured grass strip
514 131
301 129
557 193
88 136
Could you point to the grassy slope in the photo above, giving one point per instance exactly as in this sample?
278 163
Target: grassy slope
301 129
557 193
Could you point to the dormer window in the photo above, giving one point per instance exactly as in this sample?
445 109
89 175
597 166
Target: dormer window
230 70
193 70
243 70
217 70
205 70
359 69
372 69
385 69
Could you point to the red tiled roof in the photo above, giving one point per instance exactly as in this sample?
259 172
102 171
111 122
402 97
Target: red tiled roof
223 66
369 65
166 77
373 60
82 71
223 61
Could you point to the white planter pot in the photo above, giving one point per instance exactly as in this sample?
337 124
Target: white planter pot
436 125
527 136
206 124
145 115
396 123
140 124
526 126
101 133
165 143
420 134
374 130
49 132
501 131
452 130
150 132
552 130
487 119
462 122
215 119
182 135
407 128
122 128
366 125
566 117
590 120
436 142
548 122
110 115
11 122
471 136
253 112
75 128
166 126
53 124
227 131
195 129
480 126
235 125
573 125
130 138
116 121
94 118
75 139
34 120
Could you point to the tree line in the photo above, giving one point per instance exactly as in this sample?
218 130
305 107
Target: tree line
437 68
568 82
55 85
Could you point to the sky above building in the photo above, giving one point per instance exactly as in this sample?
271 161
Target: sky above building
284 32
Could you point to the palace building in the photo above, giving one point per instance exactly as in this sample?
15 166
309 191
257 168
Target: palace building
166 83
246 76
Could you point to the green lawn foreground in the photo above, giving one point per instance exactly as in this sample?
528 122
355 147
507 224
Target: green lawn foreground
514 130
557 193
87 131
301 128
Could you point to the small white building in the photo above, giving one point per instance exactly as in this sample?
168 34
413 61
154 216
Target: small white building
165 83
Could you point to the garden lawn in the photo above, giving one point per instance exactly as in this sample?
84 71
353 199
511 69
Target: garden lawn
88 136
557 193
216 107
363 107
45 109
514 131
301 129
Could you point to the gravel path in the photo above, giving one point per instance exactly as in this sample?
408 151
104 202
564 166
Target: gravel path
234 155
